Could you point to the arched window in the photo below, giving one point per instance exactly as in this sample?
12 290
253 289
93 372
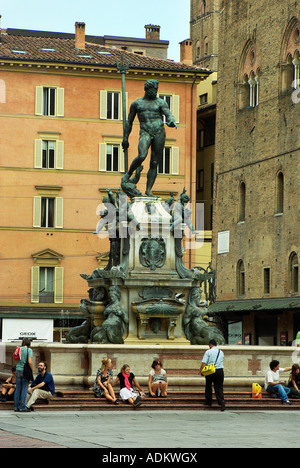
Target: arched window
240 279
242 202
205 45
289 56
248 76
198 51
293 273
279 192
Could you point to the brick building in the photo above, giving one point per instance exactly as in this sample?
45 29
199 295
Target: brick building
61 132
256 239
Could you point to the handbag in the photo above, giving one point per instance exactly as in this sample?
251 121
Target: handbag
27 372
211 368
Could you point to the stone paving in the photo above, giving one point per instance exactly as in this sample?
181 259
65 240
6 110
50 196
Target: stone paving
159 430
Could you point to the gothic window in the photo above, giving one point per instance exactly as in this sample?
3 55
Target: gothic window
242 202
289 59
293 273
267 281
205 45
279 192
240 279
248 78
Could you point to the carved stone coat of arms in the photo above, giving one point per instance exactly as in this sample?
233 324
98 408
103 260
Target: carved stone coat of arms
153 253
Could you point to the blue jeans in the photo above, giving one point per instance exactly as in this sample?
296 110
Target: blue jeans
20 392
281 391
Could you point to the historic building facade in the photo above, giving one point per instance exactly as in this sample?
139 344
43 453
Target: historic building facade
256 240
204 34
61 132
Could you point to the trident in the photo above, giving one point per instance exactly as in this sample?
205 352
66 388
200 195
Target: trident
122 67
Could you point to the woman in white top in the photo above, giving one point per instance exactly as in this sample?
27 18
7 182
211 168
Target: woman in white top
157 381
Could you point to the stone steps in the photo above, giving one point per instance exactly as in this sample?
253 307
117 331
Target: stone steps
84 400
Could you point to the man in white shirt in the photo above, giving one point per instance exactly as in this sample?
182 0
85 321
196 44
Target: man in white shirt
214 356
275 386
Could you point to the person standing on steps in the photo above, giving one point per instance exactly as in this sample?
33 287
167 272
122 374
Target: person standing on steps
214 356
21 383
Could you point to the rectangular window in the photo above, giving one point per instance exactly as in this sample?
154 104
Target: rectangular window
47 212
267 282
49 100
113 105
112 158
164 166
168 100
200 179
48 154
46 284
203 99
49 96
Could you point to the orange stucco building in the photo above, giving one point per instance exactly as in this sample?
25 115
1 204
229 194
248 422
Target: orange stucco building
60 148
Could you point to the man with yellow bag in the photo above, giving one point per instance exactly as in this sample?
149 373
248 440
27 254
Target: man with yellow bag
213 370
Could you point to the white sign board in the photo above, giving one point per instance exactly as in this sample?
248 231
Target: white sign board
35 329
223 242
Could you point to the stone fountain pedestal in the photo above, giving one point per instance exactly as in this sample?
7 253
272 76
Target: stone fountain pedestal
143 295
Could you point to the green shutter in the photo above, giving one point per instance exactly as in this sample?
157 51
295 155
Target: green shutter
175 160
39 100
103 104
59 156
35 274
121 159
102 156
38 145
58 285
60 102
59 214
176 106
37 205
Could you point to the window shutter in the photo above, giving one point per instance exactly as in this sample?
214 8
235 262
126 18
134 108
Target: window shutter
126 105
38 144
58 285
102 157
59 212
103 104
37 205
121 159
175 160
39 100
176 104
59 157
35 277
60 102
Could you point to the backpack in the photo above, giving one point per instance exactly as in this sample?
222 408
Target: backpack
17 354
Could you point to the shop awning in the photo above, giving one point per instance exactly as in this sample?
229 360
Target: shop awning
248 305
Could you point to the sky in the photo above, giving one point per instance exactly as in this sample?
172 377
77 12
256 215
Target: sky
102 18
